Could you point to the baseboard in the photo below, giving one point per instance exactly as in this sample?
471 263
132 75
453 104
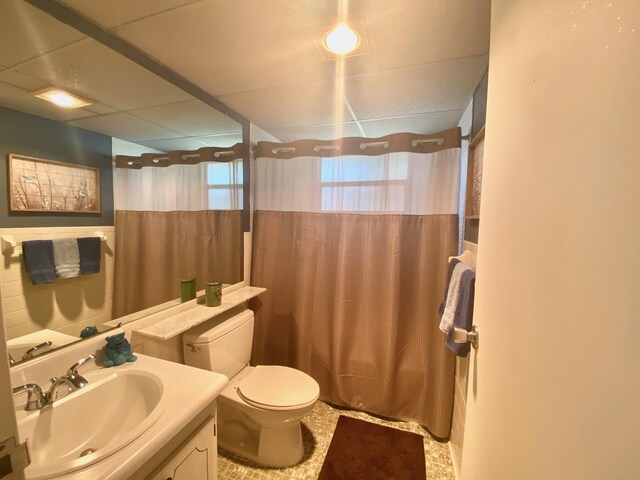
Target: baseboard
456 473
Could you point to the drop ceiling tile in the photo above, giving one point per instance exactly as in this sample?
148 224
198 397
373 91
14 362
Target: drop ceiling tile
100 109
25 82
97 73
125 126
28 32
219 140
316 132
421 124
166 145
431 87
234 46
18 99
193 143
351 66
116 12
293 105
189 118
412 32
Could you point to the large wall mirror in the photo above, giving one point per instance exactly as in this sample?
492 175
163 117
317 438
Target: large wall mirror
160 223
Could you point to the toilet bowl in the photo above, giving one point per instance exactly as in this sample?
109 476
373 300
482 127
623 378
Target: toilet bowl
260 410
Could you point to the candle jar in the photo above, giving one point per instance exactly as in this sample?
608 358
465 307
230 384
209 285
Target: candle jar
213 293
187 289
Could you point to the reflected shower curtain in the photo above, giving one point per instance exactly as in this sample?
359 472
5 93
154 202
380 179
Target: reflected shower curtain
167 229
353 253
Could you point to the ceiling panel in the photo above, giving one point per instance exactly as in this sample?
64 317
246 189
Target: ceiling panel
116 12
411 32
17 99
31 31
191 118
234 46
193 143
166 145
97 73
317 132
433 87
427 123
293 105
100 109
125 126
22 81
220 140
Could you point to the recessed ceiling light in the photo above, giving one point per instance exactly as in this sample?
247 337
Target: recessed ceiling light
61 98
341 40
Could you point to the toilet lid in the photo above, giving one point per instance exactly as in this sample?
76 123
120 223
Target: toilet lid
271 386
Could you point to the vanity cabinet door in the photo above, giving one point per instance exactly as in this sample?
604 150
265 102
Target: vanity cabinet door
196 459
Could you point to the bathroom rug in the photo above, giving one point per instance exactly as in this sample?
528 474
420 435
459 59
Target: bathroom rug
361 450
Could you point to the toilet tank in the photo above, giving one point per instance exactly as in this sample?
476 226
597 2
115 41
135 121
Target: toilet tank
223 346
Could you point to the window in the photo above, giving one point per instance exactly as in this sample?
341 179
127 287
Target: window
364 184
224 182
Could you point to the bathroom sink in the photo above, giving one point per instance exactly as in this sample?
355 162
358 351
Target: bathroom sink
92 423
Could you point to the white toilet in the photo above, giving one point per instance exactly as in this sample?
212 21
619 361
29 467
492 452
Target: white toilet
259 412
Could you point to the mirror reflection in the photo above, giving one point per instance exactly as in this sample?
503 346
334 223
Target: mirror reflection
194 209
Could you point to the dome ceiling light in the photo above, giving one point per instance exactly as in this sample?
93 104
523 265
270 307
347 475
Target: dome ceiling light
341 40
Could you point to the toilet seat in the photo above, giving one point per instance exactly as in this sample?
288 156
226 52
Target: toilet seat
274 387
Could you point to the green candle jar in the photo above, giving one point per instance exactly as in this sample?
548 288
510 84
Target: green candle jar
213 293
187 289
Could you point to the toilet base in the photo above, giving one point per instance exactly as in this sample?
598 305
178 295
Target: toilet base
269 445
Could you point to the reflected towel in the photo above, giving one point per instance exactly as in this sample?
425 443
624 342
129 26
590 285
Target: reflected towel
89 249
66 257
450 304
38 261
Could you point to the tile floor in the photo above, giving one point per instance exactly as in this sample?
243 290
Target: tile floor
317 430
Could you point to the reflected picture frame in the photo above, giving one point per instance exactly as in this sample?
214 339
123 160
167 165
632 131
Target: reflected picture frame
37 185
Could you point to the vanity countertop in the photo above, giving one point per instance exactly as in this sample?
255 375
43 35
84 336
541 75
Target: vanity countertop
187 392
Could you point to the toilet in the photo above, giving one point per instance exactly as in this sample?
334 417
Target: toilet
260 410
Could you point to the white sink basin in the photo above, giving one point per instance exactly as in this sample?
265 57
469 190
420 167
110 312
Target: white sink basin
91 423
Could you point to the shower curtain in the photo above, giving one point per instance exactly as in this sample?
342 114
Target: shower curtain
174 222
353 253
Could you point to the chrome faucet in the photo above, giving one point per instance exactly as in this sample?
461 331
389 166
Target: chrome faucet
37 399
32 351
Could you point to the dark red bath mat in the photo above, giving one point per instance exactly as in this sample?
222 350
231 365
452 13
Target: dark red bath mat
362 450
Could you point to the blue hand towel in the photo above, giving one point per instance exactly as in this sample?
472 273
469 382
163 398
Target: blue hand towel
89 254
38 260
66 257
463 317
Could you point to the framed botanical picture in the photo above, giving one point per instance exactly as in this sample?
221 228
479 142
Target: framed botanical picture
38 185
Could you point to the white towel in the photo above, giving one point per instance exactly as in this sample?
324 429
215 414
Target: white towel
453 297
66 257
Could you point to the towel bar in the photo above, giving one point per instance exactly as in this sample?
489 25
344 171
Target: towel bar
460 335
10 246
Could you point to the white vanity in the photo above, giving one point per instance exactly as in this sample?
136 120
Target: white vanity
150 419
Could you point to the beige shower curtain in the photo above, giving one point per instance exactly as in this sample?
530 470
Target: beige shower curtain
352 300
154 250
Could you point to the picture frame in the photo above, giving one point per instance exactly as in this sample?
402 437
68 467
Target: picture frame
38 185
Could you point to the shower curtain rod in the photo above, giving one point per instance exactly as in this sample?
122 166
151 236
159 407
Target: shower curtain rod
182 157
397 142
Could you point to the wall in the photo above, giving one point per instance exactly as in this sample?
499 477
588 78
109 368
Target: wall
554 387
8 425
66 305
33 136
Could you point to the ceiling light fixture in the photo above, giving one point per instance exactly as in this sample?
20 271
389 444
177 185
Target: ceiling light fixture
61 98
341 40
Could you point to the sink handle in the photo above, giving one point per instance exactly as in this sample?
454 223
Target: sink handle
74 368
